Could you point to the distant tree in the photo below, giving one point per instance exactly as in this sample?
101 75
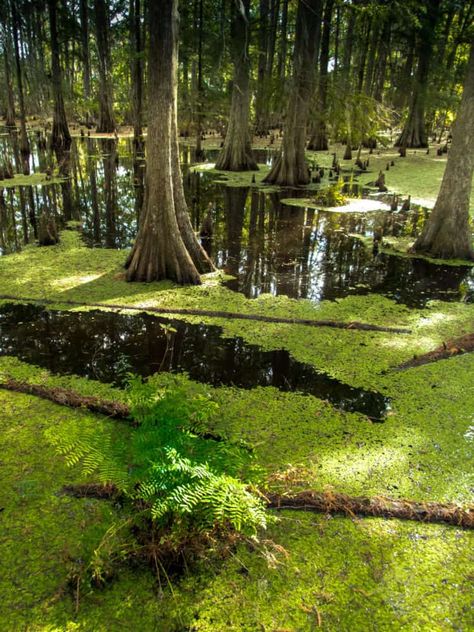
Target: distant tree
106 116
236 154
85 56
447 233
137 73
61 138
319 137
290 166
165 247
6 45
414 131
24 142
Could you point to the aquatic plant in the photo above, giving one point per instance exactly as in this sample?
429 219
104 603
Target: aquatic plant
332 195
178 482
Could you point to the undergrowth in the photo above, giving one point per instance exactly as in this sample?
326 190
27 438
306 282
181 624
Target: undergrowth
183 491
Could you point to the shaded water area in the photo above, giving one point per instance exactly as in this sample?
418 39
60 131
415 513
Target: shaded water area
269 247
105 346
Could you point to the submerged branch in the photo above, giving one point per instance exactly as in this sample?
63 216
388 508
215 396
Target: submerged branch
216 314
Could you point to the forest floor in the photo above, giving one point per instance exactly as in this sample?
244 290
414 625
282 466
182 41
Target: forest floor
337 573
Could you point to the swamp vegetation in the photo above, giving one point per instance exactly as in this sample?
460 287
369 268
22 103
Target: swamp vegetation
236 315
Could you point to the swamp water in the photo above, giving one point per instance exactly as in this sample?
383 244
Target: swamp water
266 245
105 345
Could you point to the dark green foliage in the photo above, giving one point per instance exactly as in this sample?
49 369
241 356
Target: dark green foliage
182 479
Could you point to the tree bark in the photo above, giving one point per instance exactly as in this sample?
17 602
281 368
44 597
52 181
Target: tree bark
24 142
447 233
137 75
457 346
86 69
261 123
106 116
290 168
414 131
236 154
331 502
10 102
319 139
159 251
60 139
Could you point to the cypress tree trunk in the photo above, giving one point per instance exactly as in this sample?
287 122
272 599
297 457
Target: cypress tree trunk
106 116
199 154
159 251
10 102
60 139
414 132
281 65
24 143
261 123
319 138
196 251
137 75
447 233
86 69
236 155
290 167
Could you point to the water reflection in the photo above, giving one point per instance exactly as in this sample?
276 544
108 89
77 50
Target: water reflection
267 246
104 346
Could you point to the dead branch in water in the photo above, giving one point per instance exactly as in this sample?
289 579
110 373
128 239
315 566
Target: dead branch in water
335 324
331 502
68 397
457 346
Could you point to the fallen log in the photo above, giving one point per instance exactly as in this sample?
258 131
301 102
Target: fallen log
379 506
457 346
68 397
216 314
330 503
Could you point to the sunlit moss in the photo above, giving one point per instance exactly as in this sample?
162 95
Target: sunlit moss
35 179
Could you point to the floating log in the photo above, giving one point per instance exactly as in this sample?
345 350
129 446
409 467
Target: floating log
380 506
457 346
68 397
329 502
73 399
356 325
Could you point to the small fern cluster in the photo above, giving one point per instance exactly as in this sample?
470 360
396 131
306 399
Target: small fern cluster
185 480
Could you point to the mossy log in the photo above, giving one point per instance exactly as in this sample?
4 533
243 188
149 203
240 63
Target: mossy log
332 503
329 502
457 346
68 397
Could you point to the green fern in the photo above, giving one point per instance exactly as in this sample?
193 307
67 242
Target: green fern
183 479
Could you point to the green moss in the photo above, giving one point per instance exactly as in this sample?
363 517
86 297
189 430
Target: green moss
70 271
400 246
396 574
235 178
35 179
44 531
374 574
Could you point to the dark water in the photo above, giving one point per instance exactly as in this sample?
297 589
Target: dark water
269 247
104 346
